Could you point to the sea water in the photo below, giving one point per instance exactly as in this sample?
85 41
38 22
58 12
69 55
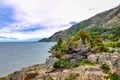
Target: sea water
16 55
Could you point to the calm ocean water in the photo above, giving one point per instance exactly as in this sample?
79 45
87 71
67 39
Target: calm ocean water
14 56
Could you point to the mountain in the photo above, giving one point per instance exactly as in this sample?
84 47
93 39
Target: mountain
106 21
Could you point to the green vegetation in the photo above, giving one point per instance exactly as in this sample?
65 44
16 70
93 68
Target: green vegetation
115 33
112 34
105 68
113 76
66 47
97 44
84 62
58 48
112 44
92 39
62 63
69 45
96 31
84 36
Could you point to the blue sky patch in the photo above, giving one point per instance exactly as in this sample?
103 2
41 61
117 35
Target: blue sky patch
6 15
73 22
33 28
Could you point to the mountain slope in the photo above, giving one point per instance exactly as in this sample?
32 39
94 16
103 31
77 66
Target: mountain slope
105 20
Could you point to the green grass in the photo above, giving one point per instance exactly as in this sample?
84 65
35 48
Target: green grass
85 63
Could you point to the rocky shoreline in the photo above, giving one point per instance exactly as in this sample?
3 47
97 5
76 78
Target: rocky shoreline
84 72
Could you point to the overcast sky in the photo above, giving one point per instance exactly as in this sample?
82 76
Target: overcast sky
36 19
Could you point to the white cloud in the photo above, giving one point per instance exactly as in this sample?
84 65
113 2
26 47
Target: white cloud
52 14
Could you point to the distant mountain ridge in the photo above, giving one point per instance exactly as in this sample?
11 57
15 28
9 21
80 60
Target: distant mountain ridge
105 20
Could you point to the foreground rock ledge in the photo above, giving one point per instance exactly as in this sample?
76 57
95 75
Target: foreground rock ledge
46 72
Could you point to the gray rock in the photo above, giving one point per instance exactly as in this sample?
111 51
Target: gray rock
93 58
49 62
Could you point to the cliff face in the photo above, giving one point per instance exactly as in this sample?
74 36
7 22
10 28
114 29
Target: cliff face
107 19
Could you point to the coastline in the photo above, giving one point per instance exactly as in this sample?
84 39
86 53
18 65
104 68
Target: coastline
41 71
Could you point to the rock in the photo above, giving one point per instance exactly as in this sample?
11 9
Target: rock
93 58
21 75
67 56
93 75
83 73
30 75
112 60
73 62
118 68
18 75
49 62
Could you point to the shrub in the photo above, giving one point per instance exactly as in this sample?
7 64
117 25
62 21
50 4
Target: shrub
62 63
105 68
57 48
97 44
83 35
69 44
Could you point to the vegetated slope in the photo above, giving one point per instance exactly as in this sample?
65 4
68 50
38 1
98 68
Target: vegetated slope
103 22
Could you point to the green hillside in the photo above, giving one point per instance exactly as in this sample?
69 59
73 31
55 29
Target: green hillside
106 24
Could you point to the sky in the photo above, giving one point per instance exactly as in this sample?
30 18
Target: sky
31 20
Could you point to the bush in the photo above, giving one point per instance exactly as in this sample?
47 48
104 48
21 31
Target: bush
62 63
105 68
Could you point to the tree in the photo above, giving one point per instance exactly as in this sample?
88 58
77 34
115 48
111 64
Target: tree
83 35
59 42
